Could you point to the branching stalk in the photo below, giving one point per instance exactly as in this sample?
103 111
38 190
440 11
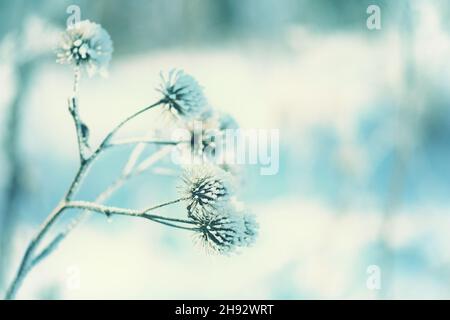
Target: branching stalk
126 175
29 259
145 141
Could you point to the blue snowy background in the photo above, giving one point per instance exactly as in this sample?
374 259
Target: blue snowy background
364 120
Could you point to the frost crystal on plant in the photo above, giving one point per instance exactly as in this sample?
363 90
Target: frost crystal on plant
225 230
206 188
85 44
182 94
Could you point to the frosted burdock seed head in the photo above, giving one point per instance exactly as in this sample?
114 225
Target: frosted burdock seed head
206 188
85 44
182 94
224 231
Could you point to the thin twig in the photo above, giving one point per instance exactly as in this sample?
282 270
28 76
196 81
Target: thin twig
25 265
121 124
144 165
110 210
14 186
80 127
164 204
28 264
100 199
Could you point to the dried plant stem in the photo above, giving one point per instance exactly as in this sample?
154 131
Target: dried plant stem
14 186
146 141
80 128
76 79
108 137
85 163
28 262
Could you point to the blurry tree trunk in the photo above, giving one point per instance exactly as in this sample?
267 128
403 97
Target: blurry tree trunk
14 186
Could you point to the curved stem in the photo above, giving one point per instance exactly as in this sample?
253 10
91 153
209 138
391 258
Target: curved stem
82 170
174 225
86 162
119 182
164 204
27 264
80 129
136 153
146 141
24 265
155 216
76 79
109 210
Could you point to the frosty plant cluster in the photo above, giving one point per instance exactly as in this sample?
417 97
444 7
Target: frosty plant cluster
218 220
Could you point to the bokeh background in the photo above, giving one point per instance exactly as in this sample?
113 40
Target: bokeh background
364 124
